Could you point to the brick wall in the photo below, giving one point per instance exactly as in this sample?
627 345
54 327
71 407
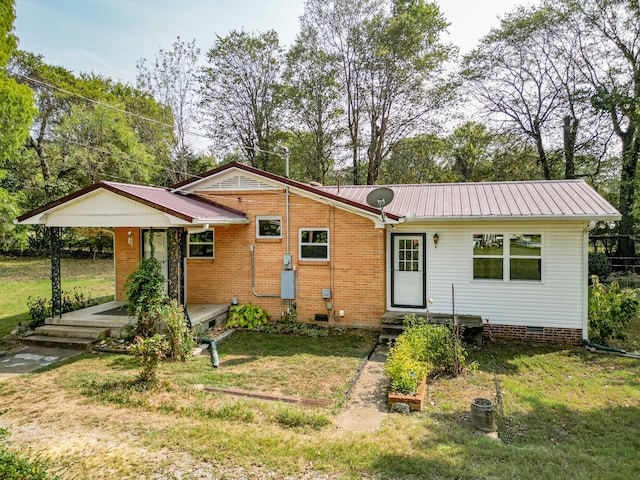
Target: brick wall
127 256
519 333
355 272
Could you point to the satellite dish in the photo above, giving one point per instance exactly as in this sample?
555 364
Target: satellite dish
379 198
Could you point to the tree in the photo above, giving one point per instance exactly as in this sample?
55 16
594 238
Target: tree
16 115
339 25
522 75
241 92
313 97
402 58
173 81
418 159
606 35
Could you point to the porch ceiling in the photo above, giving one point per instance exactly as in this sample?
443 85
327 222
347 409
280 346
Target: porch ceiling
110 204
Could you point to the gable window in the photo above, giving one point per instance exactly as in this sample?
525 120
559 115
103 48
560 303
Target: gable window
520 258
200 245
313 244
268 227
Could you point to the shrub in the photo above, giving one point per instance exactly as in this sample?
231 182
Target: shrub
16 467
611 308
420 350
150 350
145 289
40 308
599 264
179 336
247 316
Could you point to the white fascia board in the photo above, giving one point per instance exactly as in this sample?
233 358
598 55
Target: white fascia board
503 218
221 222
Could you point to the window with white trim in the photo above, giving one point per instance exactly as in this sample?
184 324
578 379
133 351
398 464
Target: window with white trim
201 245
313 244
520 258
268 227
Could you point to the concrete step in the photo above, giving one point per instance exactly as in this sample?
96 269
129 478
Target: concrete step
58 342
95 321
67 331
387 338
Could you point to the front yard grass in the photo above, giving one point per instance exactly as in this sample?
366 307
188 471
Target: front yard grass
566 413
21 278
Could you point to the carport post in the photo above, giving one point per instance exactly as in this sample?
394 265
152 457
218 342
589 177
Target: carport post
56 286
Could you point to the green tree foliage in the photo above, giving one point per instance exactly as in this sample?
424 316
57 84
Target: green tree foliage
16 115
313 97
607 35
241 92
611 308
172 80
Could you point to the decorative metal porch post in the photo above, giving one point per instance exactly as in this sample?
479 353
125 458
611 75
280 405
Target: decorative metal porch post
175 263
56 285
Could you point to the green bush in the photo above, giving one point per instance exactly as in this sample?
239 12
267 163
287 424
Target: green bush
150 350
247 316
180 337
16 467
611 308
145 290
40 308
420 350
599 264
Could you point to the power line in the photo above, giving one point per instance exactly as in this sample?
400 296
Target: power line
96 102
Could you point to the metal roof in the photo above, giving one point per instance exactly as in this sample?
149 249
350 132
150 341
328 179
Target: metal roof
530 199
190 208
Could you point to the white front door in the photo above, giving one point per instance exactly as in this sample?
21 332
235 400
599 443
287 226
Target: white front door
160 249
408 271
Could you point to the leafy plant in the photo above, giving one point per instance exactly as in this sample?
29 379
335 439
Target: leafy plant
145 290
40 308
16 467
294 328
419 350
150 350
599 264
247 316
611 308
179 336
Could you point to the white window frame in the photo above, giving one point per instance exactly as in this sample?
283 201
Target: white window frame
301 244
267 217
212 243
507 257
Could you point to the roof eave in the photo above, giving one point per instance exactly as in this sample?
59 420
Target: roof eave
586 217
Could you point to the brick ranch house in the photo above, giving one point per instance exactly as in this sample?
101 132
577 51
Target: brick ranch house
514 252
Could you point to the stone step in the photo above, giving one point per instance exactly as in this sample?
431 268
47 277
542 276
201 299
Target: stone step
387 338
67 331
95 321
58 342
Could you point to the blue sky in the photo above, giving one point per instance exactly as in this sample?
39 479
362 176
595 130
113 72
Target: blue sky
110 36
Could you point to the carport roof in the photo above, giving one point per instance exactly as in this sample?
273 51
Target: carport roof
187 208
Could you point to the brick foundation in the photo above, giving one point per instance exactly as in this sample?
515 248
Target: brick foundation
571 336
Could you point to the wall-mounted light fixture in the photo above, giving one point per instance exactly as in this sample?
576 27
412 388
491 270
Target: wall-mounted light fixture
130 237
436 238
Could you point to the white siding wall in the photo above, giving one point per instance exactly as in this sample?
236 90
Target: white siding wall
556 301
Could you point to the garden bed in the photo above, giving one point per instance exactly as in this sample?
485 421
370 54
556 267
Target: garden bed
415 401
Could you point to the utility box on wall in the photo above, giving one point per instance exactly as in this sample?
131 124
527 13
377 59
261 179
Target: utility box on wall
288 285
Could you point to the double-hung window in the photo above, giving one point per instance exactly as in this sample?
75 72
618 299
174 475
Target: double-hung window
313 244
200 245
519 258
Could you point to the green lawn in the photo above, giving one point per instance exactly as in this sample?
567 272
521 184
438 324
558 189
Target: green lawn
21 278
